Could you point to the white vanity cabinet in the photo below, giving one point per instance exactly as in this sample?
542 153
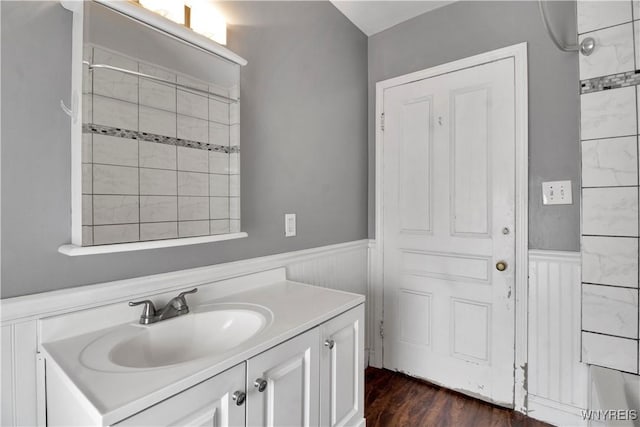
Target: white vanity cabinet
305 369
316 378
341 369
282 383
217 402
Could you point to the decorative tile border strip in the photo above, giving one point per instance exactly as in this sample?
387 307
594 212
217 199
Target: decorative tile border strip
152 137
614 81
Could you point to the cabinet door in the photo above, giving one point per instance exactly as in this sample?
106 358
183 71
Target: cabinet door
209 403
282 384
342 369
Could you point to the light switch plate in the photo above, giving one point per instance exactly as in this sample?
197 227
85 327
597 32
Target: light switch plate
556 193
289 225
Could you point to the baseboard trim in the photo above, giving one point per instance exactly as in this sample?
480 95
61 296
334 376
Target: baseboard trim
554 412
30 307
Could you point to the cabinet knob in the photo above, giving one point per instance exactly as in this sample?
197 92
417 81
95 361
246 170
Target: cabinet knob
260 384
501 266
329 343
239 397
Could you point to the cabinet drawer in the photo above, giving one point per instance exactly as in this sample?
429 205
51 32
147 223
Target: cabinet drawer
208 403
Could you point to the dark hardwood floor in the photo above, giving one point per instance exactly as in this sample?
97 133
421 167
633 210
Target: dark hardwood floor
393 399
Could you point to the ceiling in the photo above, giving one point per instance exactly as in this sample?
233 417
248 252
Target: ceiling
375 16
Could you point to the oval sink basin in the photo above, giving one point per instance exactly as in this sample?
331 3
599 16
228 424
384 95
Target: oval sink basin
192 336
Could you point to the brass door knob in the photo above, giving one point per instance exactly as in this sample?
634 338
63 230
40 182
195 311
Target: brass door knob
501 266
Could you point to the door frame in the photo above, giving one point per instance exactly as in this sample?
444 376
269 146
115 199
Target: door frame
376 275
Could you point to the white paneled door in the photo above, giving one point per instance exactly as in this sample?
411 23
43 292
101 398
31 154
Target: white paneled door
449 238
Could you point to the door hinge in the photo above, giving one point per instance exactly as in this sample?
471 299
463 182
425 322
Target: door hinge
382 329
382 122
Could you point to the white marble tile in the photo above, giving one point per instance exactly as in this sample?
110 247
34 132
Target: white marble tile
636 9
87 148
87 178
234 207
234 185
610 211
234 135
234 226
234 163
193 208
87 236
87 209
158 208
158 182
610 310
154 94
193 184
219 207
193 159
110 234
112 150
115 209
115 113
193 105
218 111
593 15
158 230
220 90
87 108
159 122
610 352
193 129
156 155
219 226
608 113
218 134
610 260
111 83
613 53
218 162
610 162
115 179
234 113
193 228
636 37
219 185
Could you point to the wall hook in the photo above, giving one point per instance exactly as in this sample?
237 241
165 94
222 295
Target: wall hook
68 111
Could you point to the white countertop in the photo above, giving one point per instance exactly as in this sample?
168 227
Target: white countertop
114 396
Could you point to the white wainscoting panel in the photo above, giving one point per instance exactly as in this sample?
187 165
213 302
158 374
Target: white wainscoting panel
557 380
342 266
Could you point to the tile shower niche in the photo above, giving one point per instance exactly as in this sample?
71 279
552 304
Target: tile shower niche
160 140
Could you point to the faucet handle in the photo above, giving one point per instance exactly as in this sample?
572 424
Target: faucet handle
148 312
192 291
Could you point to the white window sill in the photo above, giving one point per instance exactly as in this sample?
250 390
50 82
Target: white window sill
73 250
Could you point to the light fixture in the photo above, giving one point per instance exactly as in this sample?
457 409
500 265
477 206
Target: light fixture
170 9
208 21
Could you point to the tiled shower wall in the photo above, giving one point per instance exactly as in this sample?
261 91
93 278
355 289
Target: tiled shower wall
609 132
159 161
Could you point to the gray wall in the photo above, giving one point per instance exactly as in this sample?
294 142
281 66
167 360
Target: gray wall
304 143
467 28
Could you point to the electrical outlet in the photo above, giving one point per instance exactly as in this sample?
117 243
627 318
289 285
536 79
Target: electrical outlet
289 225
556 193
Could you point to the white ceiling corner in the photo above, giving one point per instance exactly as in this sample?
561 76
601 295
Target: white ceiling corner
375 16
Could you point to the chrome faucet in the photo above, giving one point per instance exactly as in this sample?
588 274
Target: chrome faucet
177 306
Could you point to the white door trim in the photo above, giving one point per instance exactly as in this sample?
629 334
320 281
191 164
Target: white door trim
519 53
